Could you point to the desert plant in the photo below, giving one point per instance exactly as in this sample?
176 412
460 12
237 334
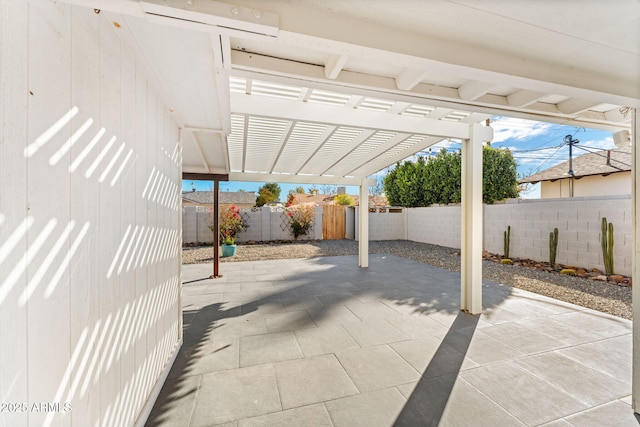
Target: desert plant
228 240
553 247
507 241
606 241
568 271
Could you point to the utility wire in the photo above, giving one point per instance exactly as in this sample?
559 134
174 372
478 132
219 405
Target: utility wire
601 155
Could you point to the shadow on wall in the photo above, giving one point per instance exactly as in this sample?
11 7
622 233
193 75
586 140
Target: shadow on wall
77 293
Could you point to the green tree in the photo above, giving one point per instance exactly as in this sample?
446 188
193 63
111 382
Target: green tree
300 190
404 185
439 179
269 192
499 176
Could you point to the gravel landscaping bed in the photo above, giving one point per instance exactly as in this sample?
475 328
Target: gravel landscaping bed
601 296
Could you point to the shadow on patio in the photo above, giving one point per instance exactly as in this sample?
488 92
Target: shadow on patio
323 342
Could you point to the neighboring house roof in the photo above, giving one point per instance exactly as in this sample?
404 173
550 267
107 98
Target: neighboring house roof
603 162
318 199
324 199
226 197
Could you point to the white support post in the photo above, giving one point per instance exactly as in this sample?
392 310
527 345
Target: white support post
363 225
471 254
635 272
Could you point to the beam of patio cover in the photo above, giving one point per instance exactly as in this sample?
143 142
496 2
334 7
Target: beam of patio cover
345 116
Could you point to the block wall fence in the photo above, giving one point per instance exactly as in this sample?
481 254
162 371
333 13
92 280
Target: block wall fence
265 224
578 221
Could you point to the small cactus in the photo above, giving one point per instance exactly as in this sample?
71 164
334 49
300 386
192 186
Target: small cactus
507 241
553 247
568 272
606 241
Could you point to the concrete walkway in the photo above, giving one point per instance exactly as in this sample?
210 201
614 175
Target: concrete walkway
321 342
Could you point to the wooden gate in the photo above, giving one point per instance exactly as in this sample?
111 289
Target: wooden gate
333 222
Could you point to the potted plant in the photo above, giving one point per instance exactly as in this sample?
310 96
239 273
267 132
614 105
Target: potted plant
230 224
228 246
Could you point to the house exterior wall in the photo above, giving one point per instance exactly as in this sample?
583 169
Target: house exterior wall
89 221
597 185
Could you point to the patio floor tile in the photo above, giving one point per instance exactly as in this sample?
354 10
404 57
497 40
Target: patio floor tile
333 315
420 354
305 416
374 408
596 322
312 380
612 414
522 338
560 331
529 398
450 401
483 349
377 367
611 356
178 398
373 332
574 378
240 393
268 348
288 321
323 342
217 355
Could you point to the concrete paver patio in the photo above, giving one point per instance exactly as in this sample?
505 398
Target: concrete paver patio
321 342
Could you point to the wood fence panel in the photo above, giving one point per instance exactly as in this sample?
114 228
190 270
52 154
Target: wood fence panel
333 222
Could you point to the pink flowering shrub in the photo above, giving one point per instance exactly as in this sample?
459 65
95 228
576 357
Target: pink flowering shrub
231 223
301 218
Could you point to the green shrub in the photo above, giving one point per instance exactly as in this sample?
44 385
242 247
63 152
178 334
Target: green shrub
343 199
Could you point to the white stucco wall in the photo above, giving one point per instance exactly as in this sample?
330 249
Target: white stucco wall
614 184
89 221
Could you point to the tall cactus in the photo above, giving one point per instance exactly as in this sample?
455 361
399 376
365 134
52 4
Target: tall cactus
553 247
507 241
606 241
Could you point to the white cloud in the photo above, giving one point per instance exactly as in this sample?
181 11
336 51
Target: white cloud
507 128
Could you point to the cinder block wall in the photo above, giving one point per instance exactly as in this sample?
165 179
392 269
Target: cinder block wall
264 224
439 225
384 224
579 228
578 221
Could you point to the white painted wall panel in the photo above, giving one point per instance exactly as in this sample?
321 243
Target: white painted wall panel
49 115
84 203
89 221
15 220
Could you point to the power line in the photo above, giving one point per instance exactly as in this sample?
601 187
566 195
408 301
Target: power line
601 155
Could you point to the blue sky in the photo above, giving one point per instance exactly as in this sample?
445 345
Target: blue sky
535 146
